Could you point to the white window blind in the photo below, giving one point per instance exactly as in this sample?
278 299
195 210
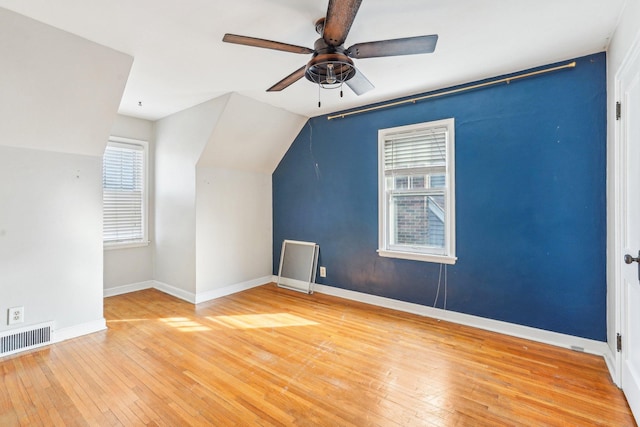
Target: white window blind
123 179
418 149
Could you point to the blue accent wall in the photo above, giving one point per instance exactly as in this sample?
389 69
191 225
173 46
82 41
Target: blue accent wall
530 202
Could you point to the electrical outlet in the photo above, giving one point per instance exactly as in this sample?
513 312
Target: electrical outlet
323 271
15 315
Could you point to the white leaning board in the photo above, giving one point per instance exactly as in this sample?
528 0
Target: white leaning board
298 263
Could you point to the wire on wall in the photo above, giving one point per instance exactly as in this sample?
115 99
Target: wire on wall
435 301
313 158
506 80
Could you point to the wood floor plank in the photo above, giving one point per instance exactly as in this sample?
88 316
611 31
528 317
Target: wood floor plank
273 357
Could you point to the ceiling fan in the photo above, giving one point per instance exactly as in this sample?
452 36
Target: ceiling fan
331 63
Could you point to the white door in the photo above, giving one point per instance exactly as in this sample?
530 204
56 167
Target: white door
629 138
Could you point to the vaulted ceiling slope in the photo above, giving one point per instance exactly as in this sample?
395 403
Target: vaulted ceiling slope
250 135
181 61
59 92
228 132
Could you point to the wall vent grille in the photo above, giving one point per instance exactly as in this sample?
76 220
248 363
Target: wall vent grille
22 339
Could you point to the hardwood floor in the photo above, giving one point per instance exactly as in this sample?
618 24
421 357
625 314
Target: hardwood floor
269 356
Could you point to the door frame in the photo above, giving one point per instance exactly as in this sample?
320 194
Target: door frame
617 205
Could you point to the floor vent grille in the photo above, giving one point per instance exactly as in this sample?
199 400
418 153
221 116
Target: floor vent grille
22 339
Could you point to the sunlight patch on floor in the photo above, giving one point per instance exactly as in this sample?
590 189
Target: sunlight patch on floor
185 324
127 320
267 320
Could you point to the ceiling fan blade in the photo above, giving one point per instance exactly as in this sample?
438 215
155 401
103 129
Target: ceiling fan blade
288 81
359 84
340 16
267 44
394 47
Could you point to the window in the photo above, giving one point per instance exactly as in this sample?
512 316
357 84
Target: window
124 186
416 192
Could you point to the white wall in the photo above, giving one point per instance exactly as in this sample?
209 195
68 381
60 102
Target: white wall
179 140
233 195
129 266
213 194
59 97
626 34
50 236
233 227
133 128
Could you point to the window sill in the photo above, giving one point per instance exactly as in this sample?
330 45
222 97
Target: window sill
114 246
440 259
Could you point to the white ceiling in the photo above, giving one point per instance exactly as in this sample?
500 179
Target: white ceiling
180 60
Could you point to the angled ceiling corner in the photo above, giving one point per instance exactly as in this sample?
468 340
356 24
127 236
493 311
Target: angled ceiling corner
187 132
251 136
60 92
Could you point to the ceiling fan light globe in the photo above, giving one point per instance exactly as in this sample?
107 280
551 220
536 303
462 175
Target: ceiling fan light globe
331 75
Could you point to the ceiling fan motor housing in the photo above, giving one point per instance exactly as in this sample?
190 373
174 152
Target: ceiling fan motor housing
329 65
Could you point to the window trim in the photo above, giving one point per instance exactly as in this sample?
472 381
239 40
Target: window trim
120 141
384 249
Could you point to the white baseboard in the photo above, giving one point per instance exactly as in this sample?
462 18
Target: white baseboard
231 289
125 289
185 295
63 334
610 358
176 292
553 338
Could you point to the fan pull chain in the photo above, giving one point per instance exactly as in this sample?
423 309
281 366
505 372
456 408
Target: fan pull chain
319 104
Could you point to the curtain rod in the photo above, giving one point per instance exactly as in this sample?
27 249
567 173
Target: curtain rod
452 91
